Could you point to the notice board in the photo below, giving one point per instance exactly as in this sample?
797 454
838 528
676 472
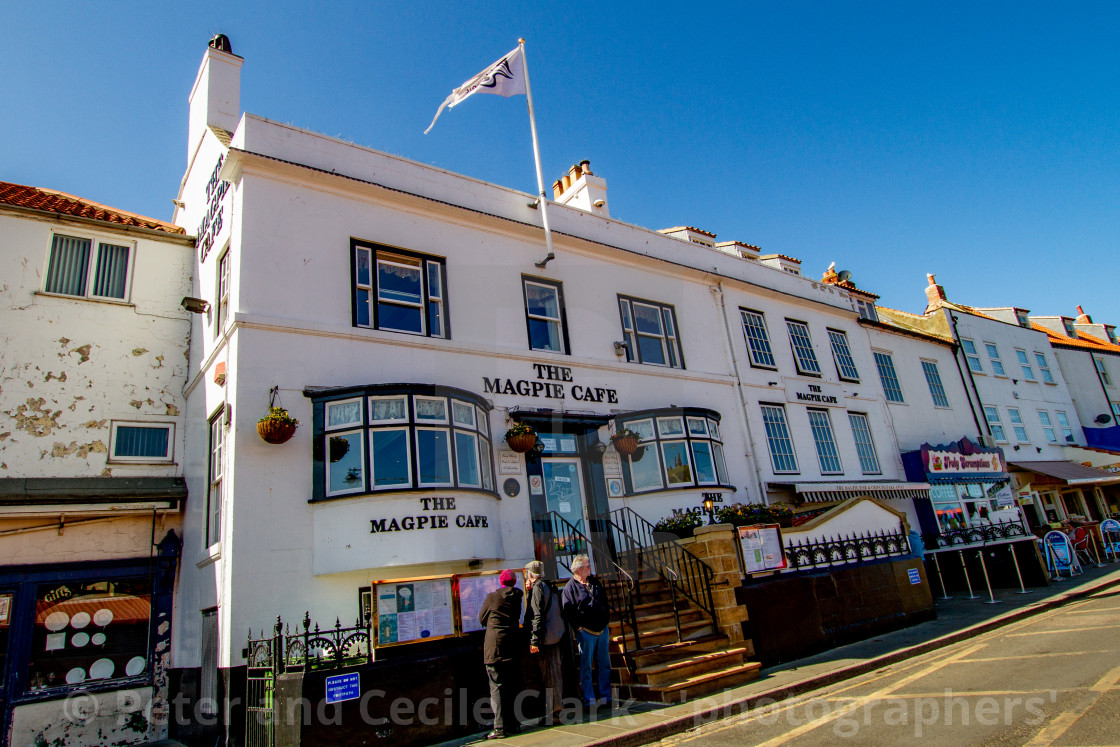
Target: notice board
762 548
413 610
472 590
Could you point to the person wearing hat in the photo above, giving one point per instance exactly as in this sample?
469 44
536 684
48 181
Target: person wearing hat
546 629
501 652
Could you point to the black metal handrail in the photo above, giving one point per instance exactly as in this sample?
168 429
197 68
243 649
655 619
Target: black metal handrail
978 534
845 550
680 569
312 648
563 541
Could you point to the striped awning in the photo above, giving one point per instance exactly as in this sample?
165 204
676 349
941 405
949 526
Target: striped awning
831 492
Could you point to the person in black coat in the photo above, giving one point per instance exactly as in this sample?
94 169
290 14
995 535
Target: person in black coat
542 601
501 652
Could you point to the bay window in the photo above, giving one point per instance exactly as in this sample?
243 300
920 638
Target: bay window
680 448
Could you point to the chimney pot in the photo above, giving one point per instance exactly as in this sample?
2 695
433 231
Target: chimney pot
585 166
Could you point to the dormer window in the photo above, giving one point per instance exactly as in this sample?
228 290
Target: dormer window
1070 331
1023 320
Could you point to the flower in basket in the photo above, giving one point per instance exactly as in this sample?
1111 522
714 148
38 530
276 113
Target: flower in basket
680 524
277 426
625 441
521 437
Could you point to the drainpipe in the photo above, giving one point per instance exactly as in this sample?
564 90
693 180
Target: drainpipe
971 378
745 424
1107 401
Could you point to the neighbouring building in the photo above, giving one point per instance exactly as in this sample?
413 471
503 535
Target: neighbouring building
92 369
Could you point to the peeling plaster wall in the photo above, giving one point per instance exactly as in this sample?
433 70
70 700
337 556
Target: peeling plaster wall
69 368
102 539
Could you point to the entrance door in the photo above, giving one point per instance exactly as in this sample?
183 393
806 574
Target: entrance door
7 609
563 493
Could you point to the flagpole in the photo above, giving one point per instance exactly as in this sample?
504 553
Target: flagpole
542 200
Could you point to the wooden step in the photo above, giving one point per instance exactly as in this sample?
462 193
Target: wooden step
689 666
651 655
659 620
658 636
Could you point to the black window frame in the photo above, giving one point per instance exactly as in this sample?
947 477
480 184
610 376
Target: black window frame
652 448
562 321
671 344
412 424
375 249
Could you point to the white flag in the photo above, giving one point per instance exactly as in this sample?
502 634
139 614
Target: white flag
506 77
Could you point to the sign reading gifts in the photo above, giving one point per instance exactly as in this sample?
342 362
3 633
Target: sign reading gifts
962 458
550 382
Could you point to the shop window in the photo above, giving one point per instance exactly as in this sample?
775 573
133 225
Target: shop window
994 359
803 353
402 437
842 355
216 467
650 330
144 443
936 388
1063 422
77 268
827 455
1025 365
399 291
544 315
865 446
1047 426
1017 425
971 356
782 455
994 423
758 339
1105 378
681 447
1044 368
90 631
891 388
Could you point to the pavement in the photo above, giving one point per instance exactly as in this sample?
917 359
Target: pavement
958 619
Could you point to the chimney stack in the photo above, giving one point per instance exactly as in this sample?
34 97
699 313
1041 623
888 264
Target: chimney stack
935 294
1082 317
579 188
215 99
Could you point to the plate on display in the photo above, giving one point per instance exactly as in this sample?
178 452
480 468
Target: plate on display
75 675
102 669
98 639
79 620
103 617
56 621
135 665
79 639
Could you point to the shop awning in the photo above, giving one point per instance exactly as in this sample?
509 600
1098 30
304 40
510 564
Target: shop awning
1069 472
821 492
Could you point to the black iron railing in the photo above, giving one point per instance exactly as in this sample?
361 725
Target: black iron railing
977 535
640 548
561 542
845 550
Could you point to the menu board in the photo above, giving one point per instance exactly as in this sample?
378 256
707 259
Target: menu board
412 610
762 548
472 592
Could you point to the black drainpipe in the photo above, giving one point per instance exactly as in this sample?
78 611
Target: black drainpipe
971 378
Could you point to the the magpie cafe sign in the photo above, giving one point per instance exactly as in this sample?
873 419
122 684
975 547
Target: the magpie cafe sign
434 513
827 395
211 224
549 382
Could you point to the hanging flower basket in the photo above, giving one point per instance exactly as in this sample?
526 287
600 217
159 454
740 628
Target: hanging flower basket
625 441
277 426
521 438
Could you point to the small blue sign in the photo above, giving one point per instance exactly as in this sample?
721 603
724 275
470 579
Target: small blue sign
915 577
343 687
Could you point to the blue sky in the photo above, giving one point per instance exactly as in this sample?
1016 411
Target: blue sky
979 141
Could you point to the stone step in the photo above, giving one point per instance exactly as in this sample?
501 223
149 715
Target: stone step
648 622
667 652
695 686
689 666
667 634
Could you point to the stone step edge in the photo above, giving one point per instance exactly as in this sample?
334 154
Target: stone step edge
707 677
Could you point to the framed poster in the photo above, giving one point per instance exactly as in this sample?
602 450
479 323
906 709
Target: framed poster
471 589
762 548
412 610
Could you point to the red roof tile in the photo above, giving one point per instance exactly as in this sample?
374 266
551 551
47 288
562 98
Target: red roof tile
53 201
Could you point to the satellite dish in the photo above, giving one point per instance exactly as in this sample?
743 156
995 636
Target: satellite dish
843 276
1103 418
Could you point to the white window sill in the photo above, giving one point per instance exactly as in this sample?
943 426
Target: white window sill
209 555
91 299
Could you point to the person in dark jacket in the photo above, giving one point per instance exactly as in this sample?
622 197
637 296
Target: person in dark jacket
501 652
542 600
586 609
